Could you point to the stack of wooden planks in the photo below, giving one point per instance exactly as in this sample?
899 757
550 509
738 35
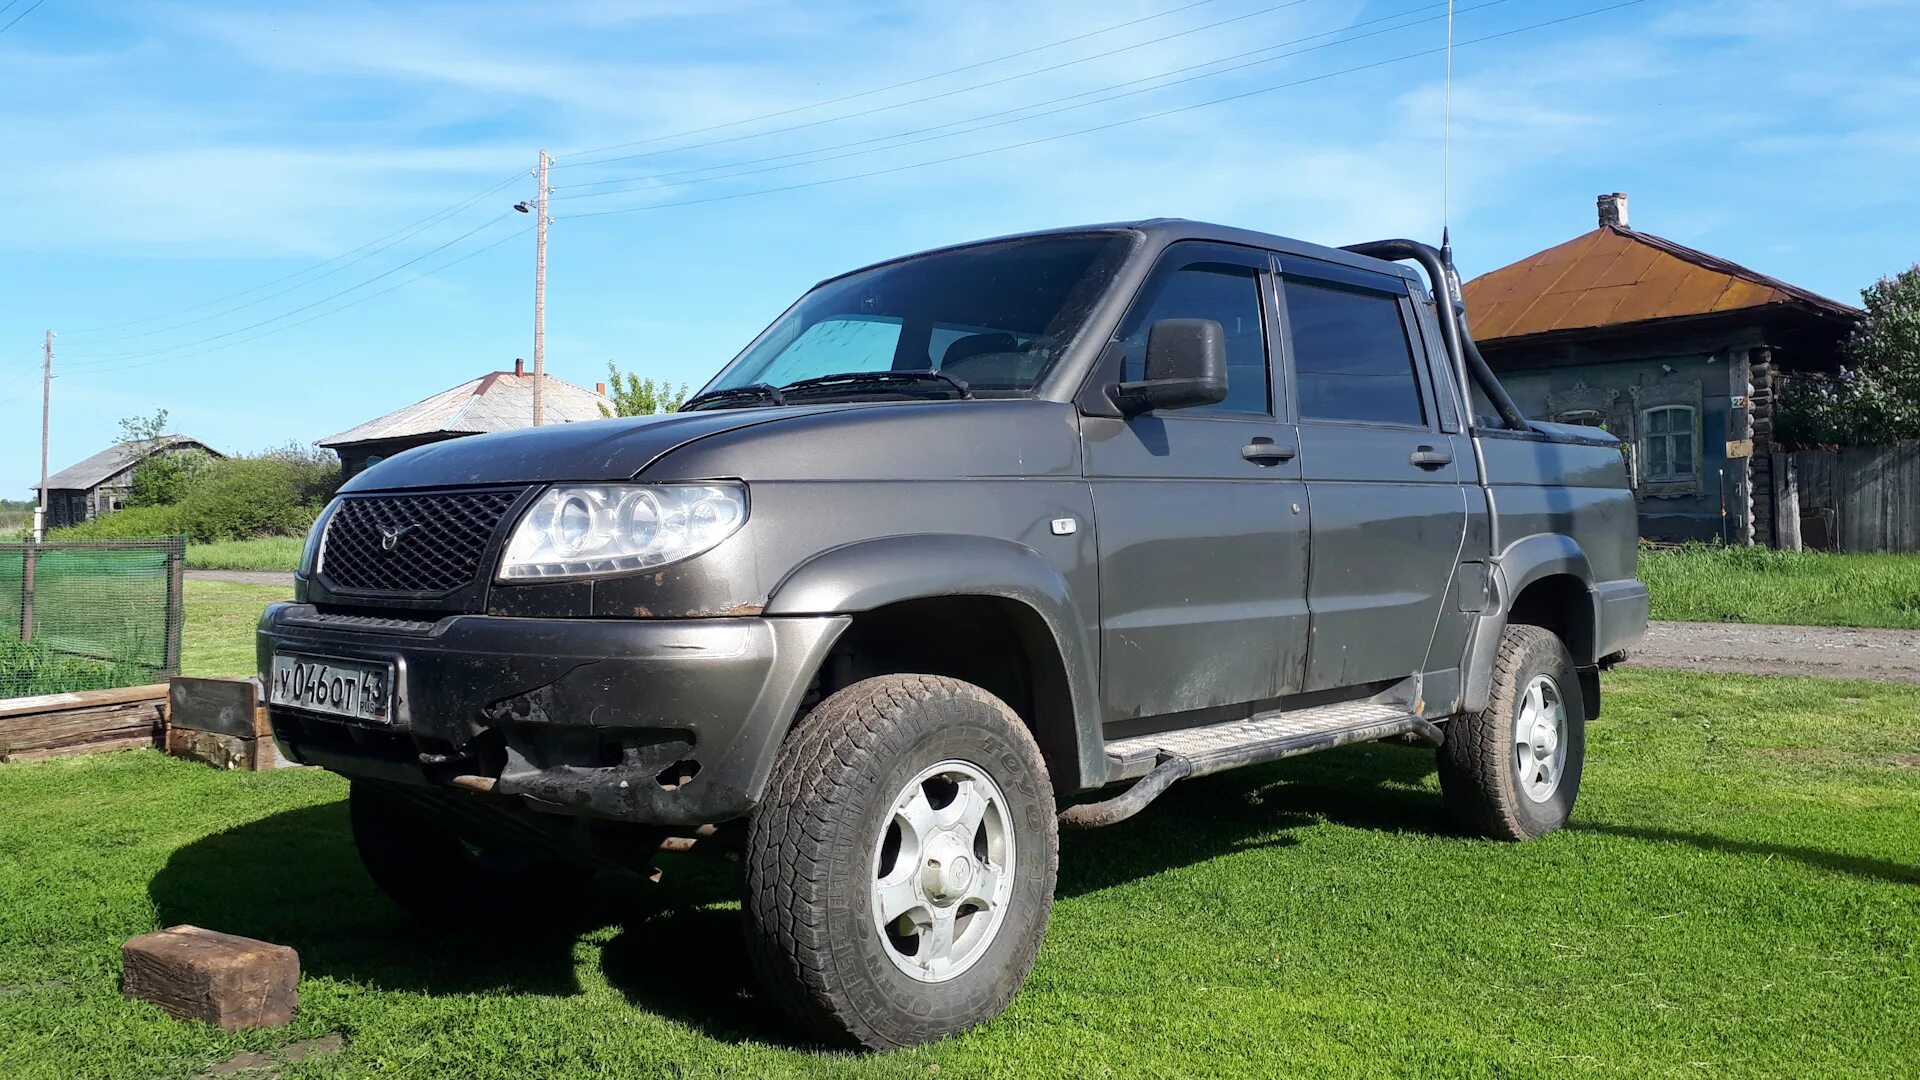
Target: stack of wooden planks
55 725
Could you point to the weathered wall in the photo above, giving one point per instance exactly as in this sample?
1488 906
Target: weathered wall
1620 392
1862 498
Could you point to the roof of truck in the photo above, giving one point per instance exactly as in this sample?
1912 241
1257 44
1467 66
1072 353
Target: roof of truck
1167 230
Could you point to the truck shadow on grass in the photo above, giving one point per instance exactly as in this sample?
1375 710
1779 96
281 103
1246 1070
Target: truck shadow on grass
677 950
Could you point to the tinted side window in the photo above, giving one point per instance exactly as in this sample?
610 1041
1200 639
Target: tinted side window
1230 296
1351 358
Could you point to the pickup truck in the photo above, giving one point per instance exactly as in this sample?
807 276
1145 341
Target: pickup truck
1057 519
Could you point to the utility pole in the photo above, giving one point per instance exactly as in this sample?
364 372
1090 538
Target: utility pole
540 296
46 414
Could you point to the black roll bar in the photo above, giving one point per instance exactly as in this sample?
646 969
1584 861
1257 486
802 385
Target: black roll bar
1444 282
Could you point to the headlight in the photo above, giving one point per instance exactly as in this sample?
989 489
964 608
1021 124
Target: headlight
311 554
576 530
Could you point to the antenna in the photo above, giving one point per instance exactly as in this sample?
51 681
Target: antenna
1446 138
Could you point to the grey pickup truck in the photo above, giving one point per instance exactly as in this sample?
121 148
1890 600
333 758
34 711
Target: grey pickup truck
966 548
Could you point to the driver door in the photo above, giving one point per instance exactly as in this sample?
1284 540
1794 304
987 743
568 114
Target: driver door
1201 514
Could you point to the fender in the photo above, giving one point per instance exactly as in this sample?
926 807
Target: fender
1524 562
871 574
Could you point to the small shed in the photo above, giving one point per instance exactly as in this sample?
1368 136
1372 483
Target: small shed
101 484
496 401
1679 353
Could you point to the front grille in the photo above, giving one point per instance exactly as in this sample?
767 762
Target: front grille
411 543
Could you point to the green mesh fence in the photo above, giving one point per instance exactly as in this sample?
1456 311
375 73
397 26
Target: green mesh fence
89 615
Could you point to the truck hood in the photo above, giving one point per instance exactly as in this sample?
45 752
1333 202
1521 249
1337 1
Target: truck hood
596 450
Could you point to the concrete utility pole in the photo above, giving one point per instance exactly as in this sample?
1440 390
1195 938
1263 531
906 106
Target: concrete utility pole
540 296
46 413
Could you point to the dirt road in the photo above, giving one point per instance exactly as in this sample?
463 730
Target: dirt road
1757 649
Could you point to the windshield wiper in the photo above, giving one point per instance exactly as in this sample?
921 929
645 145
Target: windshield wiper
752 393
856 381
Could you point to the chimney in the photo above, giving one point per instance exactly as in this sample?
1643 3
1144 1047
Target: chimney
519 366
600 388
1613 209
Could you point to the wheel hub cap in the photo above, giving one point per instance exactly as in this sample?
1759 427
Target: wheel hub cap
1539 750
943 871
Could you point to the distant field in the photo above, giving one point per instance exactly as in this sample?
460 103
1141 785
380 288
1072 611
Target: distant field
220 620
264 553
1705 583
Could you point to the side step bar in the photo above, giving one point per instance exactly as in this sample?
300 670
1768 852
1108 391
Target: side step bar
1164 757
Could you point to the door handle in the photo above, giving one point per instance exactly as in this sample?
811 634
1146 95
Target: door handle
1428 458
1264 451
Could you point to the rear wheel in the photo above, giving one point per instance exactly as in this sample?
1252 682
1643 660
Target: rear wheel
447 881
1512 770
901 868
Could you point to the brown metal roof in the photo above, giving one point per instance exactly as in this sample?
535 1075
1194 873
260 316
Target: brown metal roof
1613 276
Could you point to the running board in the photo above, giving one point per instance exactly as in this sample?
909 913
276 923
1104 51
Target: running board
1267 737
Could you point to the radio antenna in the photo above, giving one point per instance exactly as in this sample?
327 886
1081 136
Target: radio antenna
1446 135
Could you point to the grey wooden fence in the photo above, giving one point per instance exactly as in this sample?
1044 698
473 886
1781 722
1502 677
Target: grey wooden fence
1862 498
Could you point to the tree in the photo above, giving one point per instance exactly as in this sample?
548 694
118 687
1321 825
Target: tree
162 478
635 396
1875 398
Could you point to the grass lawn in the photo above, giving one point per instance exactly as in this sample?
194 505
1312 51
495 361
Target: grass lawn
218 639
262 553
1736 897
1803 588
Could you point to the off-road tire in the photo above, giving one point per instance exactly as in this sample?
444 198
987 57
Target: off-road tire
1478 777
444 883
812 841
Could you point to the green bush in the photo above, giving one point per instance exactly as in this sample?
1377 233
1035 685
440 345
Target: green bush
277 493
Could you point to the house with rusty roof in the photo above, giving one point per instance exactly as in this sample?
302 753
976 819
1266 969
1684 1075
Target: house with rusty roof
496 401
101 484
1679 353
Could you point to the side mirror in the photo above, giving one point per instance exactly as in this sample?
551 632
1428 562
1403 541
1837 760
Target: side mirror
1186 366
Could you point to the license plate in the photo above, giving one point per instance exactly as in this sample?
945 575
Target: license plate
353 688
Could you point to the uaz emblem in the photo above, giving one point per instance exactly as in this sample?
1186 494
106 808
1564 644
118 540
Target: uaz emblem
390 538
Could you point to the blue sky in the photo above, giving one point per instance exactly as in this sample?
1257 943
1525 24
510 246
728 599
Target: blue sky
162 157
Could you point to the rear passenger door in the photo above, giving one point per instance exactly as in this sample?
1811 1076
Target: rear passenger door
1200 515
1387 511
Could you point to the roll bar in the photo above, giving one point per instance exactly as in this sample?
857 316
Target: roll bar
1444 281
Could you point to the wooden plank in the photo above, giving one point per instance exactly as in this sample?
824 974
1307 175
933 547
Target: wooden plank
228 706
220 751
60 729
84 699
143 741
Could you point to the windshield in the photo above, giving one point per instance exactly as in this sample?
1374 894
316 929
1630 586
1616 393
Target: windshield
994 317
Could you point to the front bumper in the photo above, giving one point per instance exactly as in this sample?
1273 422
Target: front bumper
668 722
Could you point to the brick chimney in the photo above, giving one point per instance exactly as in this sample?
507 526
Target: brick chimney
600 388
1613 209
519 366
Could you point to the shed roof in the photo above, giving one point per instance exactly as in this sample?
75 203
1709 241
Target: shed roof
99 468
497 401
1614 276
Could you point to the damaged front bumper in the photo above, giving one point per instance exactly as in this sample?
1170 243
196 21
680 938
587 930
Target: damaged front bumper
665 722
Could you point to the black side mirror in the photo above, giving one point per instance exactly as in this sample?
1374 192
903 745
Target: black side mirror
1186 366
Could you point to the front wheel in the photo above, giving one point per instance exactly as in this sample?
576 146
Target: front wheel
901 868
1511 771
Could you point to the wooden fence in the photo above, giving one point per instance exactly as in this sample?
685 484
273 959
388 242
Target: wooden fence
1861 498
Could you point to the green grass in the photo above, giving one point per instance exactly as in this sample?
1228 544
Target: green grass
218 639
1736 897
1707 583
261 553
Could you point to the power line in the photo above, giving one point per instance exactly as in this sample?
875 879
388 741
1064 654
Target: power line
636 184
321 315
22 15
1114 124
894 86
395 237
303 307
933 97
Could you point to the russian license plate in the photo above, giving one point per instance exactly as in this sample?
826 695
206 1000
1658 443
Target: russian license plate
358 689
